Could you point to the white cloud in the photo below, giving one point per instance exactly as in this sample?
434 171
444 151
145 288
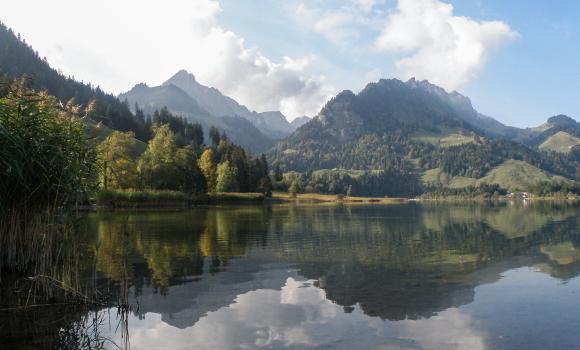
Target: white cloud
335 25
365 5
448 50
118 44
254 80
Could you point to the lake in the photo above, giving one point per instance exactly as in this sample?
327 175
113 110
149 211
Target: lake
408 276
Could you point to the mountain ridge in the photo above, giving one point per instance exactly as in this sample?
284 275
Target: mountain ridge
178 102
405 129
220 105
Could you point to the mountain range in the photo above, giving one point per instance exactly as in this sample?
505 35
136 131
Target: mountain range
423 138
184 96
393 137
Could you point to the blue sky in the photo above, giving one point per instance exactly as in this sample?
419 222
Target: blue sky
518 60
533 77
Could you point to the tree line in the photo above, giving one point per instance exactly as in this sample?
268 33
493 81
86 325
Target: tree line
176 158
49 157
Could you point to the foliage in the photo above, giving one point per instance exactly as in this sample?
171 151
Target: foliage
226 178
548 188
118 170
45 158
208 168
186 133
192 179
393 163
156 165
561 142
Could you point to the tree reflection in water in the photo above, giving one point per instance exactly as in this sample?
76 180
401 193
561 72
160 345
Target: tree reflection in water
397 263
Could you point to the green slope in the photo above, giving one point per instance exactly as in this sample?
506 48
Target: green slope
438 178
516 175
513 175
445 138
561 142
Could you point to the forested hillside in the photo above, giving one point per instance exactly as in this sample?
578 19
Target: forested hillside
383 141
178 102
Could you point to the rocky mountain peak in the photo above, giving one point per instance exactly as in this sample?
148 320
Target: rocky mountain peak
182 76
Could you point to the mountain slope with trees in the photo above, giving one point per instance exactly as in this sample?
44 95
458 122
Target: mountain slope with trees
183 95
395 132
178 102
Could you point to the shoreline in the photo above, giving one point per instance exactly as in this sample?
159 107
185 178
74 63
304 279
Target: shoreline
235 198
238 199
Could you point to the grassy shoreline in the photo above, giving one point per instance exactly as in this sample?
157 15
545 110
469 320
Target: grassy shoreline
133 199
333 198
162 199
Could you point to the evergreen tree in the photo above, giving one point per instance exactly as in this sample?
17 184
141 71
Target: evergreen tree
192 178
214 136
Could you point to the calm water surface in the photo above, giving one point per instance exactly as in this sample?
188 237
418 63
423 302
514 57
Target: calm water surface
409 276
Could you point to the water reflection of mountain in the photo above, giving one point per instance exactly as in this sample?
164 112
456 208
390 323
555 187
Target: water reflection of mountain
184 304
396 262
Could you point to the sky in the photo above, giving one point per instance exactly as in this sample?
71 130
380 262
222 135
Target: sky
517 60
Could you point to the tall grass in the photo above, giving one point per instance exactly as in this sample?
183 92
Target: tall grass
47 165
45 158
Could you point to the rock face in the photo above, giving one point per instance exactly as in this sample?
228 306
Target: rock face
272 124
209 98
298 122
275 124
464 109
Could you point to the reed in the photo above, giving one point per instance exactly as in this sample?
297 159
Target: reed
47 167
